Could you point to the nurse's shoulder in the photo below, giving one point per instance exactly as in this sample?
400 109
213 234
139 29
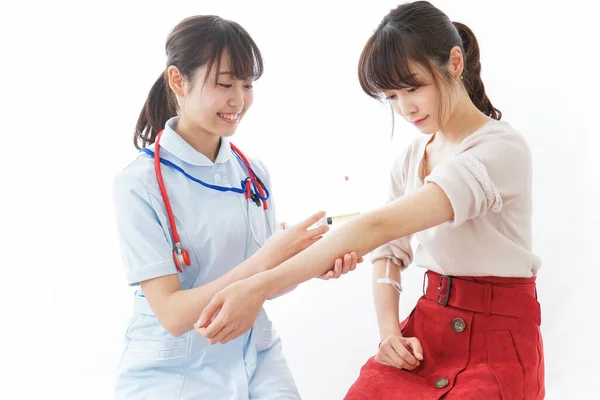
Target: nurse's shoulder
137 176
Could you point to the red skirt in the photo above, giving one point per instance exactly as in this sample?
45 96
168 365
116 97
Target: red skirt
481 340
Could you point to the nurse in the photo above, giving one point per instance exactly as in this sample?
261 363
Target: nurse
463 189
198 220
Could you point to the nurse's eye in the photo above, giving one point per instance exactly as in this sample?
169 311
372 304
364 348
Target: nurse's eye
390 97
226 86
412 90
248 86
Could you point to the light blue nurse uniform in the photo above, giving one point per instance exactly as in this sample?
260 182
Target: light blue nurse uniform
214 228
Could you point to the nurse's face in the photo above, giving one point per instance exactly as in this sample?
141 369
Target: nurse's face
218 107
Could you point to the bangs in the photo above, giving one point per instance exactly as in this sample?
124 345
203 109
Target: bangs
245 60
385 64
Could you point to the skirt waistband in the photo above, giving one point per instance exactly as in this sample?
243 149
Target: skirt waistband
511 297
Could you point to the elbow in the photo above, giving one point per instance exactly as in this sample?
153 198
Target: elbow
178 332
165 299
173 327
384 229
175 330
171 319
424 209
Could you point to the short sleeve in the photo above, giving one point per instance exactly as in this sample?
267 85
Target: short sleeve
485 173
146 251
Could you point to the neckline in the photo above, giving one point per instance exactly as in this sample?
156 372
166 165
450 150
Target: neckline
467 138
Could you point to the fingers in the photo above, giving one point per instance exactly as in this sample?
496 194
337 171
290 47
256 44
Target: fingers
200 331
354 261
207 314
410 361
280 226
338 268
416 348
392 356
341 267
232 335
382 359
214 328
400 352
349 263
212 336
211 319
336 272
328 275
313 219
222 334
318 231
201 323
387 356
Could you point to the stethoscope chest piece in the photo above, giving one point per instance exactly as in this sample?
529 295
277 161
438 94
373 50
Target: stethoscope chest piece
181 257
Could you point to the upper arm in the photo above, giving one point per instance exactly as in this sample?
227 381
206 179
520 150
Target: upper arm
491 171
146 251
157 290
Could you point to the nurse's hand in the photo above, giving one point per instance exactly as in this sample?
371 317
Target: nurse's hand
234 309
289 240
400 352
342 267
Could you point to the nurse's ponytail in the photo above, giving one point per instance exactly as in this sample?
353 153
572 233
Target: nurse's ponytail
159 107
196 42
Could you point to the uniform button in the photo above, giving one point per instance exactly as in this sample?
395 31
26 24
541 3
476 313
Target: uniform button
441 383
217 178
458 325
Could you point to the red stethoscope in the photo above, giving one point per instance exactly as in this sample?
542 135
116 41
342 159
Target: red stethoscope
252 188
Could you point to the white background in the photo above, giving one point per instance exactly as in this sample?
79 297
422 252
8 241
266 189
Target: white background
75 76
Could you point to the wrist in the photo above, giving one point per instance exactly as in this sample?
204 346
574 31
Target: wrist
262 285
389 330
263 260
270 257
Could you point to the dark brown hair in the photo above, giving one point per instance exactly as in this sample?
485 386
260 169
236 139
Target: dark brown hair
420 33
193 43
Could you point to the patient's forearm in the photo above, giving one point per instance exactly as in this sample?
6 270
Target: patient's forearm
425 208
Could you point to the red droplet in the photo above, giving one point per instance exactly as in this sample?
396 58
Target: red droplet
346 178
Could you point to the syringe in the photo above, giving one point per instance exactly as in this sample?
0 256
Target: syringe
335 219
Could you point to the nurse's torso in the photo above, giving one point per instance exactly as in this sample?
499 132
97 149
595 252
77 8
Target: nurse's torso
219 230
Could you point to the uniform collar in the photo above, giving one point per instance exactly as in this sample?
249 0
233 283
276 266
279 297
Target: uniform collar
174 144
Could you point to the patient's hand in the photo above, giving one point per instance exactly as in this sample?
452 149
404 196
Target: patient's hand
400 352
